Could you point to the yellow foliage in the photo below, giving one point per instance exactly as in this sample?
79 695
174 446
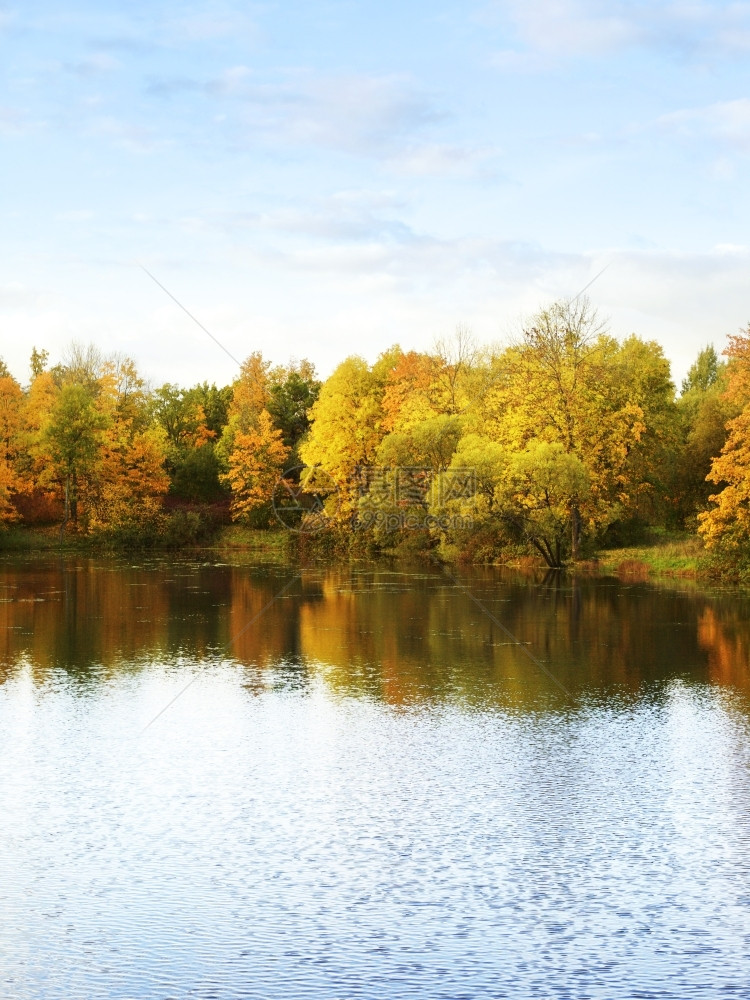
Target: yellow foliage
347 422
251 391
255 466
726 525
8 485
130 479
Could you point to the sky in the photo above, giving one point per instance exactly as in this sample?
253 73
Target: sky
324 178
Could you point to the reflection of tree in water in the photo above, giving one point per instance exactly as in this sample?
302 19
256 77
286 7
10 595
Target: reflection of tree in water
402 637
432 642
724 632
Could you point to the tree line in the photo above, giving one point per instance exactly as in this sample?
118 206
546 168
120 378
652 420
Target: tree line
90 445
573 440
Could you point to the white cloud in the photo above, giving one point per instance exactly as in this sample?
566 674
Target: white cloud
435 159
128 135
94 65
560 29
573 26
355 113
727 121
212 21
326 299
13 121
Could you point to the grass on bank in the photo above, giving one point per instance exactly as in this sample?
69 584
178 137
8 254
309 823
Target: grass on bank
268 545
660 555
37 539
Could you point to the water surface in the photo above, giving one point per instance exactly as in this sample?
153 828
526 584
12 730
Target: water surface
232 782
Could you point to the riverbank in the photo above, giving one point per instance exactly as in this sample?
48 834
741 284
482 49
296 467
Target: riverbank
660 556
678 555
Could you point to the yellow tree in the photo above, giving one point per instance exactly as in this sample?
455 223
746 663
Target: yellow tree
408 391
256 463
542 488
725 527
73 435
131 478
347 424
647 480
37 404
251 394
251 390
563 383
11 399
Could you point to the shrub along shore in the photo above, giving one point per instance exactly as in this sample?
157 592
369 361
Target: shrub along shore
659 557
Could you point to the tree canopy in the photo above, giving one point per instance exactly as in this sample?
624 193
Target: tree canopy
553 443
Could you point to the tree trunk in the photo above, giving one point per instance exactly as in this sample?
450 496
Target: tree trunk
575 532
66 508
545 550
74 498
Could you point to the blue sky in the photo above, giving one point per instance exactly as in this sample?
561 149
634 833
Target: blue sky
326 178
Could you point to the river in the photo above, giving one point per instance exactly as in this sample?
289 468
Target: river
234 781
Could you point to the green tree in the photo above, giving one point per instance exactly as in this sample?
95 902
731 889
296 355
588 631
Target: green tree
38 362
543 487
192 461
703 373
704 411
562 383
292 393
74 438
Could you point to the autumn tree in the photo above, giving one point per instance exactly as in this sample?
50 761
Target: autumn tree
181 415
73 436
704 410
543 488
408 393
347 424
704 373
131 476
131 479
10 421
725 526
255 467
561 383
38 362
429 443
38 491
251 392
640 384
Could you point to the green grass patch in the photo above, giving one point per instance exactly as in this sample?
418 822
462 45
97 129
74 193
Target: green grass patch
267 545
661 555
40 539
